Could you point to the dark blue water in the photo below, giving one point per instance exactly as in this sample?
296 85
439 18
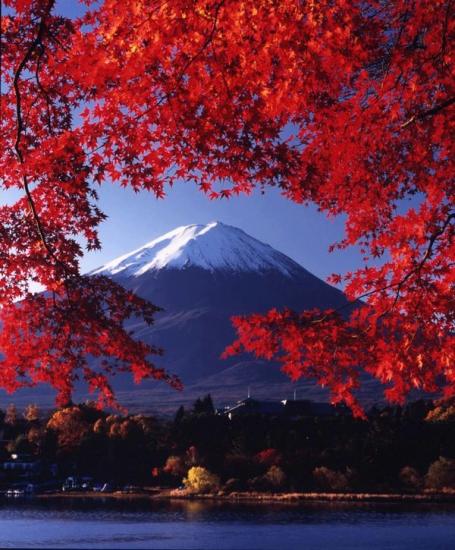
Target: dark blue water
205 525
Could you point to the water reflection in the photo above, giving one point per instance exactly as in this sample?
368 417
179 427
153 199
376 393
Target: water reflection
201 524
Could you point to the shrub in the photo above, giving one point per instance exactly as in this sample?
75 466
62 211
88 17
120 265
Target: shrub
275 477
269 457
200 480
441 474
273 480
410 478
330 480
175 466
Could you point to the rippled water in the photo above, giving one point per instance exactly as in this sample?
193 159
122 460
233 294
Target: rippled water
202 525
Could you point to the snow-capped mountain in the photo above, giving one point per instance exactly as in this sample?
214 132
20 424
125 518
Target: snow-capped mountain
219 267
202 275
214 246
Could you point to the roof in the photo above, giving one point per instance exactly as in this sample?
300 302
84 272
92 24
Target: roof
302 407
253 406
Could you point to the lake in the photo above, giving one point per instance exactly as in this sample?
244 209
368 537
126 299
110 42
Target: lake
207 525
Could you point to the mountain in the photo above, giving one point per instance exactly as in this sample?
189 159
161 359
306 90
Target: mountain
202 275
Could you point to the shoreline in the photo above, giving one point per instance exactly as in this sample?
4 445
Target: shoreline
253 497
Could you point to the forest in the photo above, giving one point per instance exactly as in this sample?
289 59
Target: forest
405 449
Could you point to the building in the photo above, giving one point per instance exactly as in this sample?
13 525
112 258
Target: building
254 406
290 408
21 464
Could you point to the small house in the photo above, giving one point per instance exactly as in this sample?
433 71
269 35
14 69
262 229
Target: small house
22 464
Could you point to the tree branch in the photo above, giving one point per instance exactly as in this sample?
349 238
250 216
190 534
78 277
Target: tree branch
429 112
20 129
399 285
20 123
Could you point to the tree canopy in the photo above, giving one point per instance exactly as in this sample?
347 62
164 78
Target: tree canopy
347 105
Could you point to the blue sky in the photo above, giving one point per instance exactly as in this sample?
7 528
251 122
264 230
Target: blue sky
135 218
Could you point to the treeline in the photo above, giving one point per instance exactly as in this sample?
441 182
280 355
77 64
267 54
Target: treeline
397 449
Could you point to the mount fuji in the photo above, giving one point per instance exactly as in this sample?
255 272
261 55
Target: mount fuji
201 276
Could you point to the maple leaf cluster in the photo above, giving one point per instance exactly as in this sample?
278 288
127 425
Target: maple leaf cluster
348 105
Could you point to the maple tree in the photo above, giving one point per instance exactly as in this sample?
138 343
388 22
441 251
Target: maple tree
348 105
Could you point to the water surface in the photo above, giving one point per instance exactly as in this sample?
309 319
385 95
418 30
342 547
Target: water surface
204 525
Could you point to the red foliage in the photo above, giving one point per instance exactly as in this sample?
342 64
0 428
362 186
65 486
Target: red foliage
269 457
146 93
54 337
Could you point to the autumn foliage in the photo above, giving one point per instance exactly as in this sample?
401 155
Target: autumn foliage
348 105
